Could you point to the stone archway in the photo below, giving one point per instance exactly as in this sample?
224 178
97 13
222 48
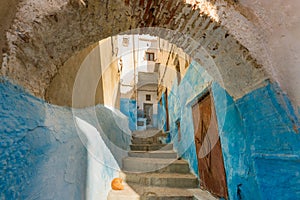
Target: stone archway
39 43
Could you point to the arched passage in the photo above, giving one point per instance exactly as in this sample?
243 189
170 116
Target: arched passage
42 42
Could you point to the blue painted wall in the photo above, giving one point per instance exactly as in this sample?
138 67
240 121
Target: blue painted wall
274 140
161 118
129 108
154 120
241 178
161 114
112 127
44 155
258 135
180 101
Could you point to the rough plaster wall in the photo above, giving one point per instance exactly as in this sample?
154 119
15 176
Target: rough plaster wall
45 35
259 136
274 139
7 14
90 76
236 150
42 157
169 55
31 60
47 154
128 108
106 135
111 87
110 76
88 88
40 54
60 89
280 23
269 30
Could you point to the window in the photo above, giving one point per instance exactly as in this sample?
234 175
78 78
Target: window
149 56
125 41
148 97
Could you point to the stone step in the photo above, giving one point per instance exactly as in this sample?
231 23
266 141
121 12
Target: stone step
200 194
171 180
162 193
153 154
146 133
151 147
127 193
141 165
148 139
141 192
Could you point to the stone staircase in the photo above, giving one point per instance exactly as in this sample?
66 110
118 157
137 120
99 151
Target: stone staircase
153 172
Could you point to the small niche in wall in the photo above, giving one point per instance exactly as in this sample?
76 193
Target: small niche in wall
177 67
148 97
178 129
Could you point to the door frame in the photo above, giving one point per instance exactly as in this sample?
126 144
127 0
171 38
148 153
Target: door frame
201 96
148 104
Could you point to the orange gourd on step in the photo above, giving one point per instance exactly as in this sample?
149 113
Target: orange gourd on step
116 184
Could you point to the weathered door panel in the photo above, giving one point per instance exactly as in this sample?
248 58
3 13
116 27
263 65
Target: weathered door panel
148 111
208 147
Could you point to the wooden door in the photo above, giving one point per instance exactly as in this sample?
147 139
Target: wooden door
208 147
148 110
